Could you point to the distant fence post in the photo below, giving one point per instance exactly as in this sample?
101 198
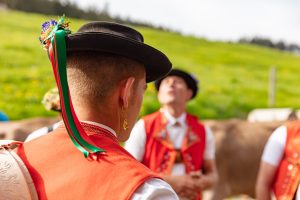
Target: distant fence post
272 86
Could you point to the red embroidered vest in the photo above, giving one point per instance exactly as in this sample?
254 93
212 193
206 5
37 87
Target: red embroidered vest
160 154
60 171
288 174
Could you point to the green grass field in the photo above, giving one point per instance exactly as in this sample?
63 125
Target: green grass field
233 77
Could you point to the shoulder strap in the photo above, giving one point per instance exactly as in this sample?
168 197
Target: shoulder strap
15 180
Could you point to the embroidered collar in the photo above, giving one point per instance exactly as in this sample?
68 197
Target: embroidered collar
172 120
94 124
101 126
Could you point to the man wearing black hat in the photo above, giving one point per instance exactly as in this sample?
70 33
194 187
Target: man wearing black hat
173 142
108 66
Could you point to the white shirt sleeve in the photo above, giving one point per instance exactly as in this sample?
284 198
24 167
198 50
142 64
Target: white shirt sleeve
135 145
40 132
275 146
154 189
37 133
209 152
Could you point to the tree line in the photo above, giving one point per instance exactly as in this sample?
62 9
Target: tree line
269 43
59 7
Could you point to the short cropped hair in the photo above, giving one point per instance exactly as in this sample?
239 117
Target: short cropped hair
93 75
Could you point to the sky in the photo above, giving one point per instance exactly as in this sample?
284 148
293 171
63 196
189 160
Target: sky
227 20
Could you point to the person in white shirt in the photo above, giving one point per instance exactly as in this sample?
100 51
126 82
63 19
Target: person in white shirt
173 142
279 169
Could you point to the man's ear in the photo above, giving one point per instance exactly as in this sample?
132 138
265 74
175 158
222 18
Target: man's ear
126 91
189 94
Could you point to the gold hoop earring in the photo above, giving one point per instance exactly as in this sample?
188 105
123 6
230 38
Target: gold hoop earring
125 122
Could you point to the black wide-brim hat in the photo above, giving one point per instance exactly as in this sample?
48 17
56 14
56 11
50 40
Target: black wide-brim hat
120 40
190 81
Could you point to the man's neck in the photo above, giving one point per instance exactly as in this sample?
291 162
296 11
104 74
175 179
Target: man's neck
106 118
175 111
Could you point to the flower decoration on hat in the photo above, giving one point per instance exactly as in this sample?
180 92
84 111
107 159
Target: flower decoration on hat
50 27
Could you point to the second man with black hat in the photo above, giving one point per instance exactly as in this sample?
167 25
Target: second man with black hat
173 142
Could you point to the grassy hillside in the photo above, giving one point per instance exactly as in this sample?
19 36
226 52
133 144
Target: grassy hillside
233 77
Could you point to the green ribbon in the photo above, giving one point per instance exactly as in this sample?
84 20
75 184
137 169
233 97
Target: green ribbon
60 51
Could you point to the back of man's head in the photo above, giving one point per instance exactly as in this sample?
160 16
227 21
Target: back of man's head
93 75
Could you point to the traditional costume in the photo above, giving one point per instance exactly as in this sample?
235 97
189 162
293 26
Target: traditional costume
59 171
283 151
168 145
84 160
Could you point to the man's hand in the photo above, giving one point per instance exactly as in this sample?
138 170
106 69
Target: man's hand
189 185
196 174
201 182
206 179
183 185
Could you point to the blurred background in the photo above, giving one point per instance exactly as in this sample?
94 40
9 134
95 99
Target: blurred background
245 53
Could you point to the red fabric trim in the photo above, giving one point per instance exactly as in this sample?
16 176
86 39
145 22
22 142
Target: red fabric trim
287 177
59 171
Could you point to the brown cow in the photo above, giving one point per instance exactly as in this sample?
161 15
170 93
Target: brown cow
239 146
19 129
